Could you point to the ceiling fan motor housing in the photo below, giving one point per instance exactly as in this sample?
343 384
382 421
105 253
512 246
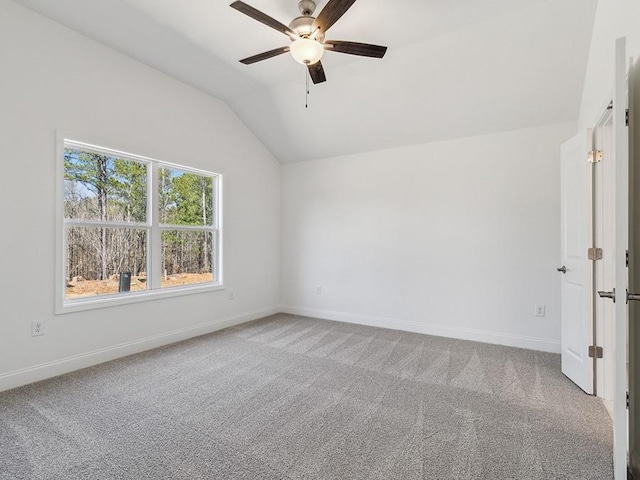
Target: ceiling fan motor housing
303 26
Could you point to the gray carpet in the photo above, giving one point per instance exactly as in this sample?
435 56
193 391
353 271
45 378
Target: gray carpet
296 398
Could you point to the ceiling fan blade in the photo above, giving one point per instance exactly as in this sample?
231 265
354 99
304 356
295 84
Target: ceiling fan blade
330 14
263 18
355 48
265 55
317 73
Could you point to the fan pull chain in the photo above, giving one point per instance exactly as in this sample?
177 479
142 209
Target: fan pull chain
306 98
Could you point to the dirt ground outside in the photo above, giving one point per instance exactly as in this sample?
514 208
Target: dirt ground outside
86 288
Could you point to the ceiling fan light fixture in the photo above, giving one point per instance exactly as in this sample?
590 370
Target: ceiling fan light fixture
307 34
306 51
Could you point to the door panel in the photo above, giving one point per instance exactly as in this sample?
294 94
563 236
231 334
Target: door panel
620 135
634 268
576 328
574 299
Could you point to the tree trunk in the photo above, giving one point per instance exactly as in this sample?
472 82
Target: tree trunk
202 258
102 206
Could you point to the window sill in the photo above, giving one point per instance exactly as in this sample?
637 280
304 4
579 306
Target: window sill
92 303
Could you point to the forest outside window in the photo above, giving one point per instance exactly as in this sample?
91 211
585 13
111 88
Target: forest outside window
135 228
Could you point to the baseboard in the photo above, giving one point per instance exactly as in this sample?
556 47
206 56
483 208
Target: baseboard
608 404
54 368
510 340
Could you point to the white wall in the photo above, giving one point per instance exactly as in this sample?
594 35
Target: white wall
458 238
52 78
614 19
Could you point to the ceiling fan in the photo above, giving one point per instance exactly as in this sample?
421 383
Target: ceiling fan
307 34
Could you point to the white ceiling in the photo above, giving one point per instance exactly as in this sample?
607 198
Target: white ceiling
454 68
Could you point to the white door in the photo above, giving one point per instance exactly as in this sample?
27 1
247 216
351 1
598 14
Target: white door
576 269
634 269
621 140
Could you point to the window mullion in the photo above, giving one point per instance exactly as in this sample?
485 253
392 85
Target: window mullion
107 224
216 196
186 228
155 239
216 257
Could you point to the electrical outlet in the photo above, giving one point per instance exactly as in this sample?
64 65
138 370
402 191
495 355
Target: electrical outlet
540 310
232 295
318 289
37 329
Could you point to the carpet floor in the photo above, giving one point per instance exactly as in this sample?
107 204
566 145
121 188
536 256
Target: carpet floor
290 397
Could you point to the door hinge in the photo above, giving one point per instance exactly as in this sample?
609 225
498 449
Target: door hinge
626 258
594 253
595 156
627 399
595 352
626 117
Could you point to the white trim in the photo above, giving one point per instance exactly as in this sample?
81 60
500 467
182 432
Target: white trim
100 301
603 108
106 151
185 228
621 87
61 366
154 255
153 227
218 268
60 253
510 340
107 223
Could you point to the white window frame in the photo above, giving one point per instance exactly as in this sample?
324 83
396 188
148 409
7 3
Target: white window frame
152 225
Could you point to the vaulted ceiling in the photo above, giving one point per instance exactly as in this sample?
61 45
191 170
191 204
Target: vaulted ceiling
454 68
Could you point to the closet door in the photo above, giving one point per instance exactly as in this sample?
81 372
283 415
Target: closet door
575 270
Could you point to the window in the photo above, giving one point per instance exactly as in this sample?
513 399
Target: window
134 228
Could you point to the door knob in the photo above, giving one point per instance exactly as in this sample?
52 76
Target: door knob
562 269
633 297
611 294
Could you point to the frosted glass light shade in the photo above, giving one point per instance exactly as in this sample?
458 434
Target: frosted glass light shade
306 51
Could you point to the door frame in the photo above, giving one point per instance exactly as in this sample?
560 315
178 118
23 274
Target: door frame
604 237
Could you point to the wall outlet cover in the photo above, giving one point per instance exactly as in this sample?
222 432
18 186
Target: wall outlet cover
37 329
